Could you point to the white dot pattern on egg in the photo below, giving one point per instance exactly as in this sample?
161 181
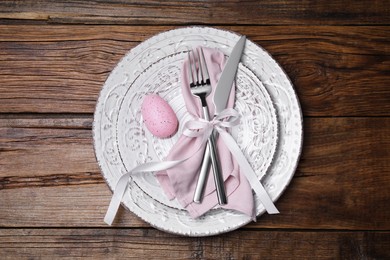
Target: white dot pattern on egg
159 117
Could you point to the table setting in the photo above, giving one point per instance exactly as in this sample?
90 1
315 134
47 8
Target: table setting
267 135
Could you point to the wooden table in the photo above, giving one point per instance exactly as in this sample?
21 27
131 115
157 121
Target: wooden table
54 59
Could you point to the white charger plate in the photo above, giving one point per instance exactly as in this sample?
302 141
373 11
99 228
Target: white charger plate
270 139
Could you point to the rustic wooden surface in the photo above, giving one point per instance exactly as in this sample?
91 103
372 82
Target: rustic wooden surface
54 59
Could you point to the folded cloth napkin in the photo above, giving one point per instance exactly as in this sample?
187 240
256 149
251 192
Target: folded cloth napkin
180 182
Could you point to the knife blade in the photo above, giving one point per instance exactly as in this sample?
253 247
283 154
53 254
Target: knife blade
221 97
225 82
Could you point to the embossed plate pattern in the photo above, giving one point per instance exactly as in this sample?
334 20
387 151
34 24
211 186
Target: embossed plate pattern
150 66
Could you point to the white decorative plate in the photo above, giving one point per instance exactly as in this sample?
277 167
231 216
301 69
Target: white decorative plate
270 133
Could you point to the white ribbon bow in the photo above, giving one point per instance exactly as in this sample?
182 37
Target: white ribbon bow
196 128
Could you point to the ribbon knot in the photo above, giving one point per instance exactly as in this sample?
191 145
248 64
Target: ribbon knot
201 127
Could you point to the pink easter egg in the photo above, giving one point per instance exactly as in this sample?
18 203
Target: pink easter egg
159 117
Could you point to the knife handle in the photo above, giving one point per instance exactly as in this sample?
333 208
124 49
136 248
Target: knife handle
211 149
218 178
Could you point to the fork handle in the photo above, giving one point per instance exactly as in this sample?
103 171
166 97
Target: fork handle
203 176
211 151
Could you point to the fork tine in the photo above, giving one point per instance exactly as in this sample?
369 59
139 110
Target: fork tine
194 69
190 71
203 65
201 69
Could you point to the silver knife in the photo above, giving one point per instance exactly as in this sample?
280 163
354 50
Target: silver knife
221 97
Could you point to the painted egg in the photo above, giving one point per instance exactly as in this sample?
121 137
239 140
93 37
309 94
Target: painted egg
158 116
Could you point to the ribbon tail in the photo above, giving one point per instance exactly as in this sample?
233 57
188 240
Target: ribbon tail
116 198
121 185
248 171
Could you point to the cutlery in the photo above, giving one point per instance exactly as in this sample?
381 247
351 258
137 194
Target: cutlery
200 86
221 97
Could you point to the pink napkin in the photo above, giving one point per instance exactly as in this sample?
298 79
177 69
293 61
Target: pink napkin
180 182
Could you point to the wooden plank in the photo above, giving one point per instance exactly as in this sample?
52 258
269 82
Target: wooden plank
153 244
50 150
199 12
61 205
337 71
342 181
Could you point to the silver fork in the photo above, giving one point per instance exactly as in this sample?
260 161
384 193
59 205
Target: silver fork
200 86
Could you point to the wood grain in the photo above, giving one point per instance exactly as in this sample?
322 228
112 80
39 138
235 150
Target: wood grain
153 244
336 70
199 12
54 59
50 172
47 150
